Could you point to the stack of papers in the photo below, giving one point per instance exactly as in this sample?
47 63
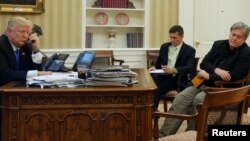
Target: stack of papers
112 76
56 80
115 79
105 84
106 68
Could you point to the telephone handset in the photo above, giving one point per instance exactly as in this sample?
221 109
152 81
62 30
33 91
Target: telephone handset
56 62
29 43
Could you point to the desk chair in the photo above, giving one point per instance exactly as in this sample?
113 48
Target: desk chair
106 57
215 110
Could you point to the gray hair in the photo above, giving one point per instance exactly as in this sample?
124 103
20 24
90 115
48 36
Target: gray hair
16 21
241 26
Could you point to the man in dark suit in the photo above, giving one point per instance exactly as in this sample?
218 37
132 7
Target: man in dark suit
18 60
175 58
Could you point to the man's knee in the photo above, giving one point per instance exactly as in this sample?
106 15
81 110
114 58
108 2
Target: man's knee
199 98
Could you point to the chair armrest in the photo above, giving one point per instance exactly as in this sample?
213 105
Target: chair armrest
172 115
118 60
215 89
222 83
243 81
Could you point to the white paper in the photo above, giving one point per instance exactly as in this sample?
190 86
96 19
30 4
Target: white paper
56 79
157 71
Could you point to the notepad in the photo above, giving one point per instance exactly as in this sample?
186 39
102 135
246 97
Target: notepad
197 81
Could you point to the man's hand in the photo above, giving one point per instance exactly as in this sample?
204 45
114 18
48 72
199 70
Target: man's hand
223 74
167 69
35 42
203 74
151 68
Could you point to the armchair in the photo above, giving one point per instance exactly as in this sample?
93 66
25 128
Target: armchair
106 57
227 111
151 57
243 82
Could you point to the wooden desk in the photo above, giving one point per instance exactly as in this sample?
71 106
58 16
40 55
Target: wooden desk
78 114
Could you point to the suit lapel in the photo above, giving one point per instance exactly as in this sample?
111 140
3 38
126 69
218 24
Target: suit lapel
11 54
181 52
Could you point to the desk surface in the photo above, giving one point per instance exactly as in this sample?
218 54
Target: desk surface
145 83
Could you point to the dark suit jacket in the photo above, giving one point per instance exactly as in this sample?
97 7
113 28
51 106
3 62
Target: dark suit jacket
221 56
8 70
185 63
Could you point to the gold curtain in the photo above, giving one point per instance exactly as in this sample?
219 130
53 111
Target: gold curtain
163 15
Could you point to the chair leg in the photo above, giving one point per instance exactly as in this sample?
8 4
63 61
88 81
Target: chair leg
165 105
156 128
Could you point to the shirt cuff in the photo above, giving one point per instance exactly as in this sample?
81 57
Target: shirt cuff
37 57
31 73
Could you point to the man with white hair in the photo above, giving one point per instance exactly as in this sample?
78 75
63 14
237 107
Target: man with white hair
19 60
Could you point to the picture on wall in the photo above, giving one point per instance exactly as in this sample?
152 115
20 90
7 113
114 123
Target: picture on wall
24 6
19 2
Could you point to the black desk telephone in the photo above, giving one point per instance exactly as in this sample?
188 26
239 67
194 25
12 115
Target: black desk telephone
56 62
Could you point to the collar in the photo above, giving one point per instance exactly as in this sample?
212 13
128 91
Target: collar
178 47
14 47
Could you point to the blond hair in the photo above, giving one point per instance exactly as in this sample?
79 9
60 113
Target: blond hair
17 21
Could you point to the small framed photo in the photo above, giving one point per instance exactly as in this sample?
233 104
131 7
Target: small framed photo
22 6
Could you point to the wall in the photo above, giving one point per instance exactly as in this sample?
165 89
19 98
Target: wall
61 24
186 19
